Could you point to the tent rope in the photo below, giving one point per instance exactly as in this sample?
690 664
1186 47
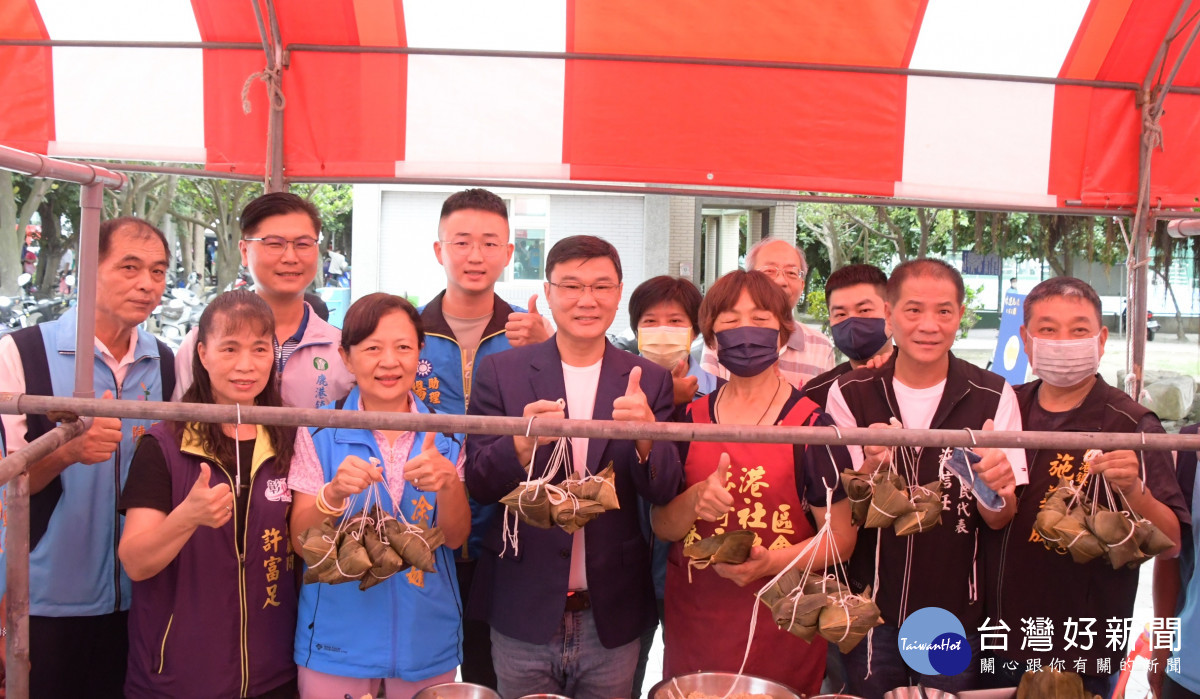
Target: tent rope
274 81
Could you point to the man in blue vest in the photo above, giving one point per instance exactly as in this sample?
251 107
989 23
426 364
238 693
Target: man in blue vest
79 595
464 324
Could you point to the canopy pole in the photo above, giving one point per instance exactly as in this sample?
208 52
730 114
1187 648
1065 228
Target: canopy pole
16 546
1150 101
12 403
268 30
91 200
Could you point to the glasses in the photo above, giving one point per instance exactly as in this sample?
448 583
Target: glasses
462 248
276 245
789 273
574 290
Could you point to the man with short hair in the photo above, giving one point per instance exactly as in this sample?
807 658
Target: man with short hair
808 353
924 386
465 323
855 296
1030 578
79 594
279 245
567 610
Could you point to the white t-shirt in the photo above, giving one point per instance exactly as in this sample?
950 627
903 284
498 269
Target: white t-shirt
581 383
917 407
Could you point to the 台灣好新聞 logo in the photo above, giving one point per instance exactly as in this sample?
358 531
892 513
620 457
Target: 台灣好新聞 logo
933 642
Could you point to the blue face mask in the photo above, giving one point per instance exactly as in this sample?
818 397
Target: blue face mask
748 351
859 338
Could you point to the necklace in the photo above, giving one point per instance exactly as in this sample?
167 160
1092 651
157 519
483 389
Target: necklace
721 394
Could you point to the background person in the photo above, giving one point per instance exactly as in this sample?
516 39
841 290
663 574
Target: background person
590 591
279 245
78 592
764 488
403 632
924 386
194 488
664 313
808 352
855 295
1029 578
465 323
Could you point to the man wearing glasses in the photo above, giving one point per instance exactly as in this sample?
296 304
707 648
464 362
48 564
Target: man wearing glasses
280 233
808 353
463 324
567 610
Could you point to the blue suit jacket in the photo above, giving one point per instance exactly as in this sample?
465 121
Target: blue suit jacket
523 595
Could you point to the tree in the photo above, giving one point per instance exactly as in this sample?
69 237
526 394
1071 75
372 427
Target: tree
60 206
19 198
215 205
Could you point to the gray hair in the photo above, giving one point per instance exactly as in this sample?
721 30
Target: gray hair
1063 287
752 253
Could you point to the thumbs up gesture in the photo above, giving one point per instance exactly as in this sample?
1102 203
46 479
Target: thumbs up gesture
713 499
526 328
633 407
430 470
208 505
99 442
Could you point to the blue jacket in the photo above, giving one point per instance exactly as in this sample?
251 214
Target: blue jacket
73 569
408 626
439 384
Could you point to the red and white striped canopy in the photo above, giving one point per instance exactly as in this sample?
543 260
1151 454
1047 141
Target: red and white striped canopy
763 94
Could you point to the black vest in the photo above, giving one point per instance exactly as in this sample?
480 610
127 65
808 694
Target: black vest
1026 580
940 567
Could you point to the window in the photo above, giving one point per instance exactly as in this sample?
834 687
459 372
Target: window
529 253
528 216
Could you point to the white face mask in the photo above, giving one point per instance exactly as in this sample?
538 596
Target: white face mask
1065 363
665 345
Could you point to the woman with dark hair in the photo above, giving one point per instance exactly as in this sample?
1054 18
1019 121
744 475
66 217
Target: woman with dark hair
664 313
205 539
764 488
404 631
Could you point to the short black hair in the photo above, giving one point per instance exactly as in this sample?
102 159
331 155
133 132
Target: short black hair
664 289
924 267
475 199
582 247
853 275
277 204
1063 287
364 315
137 227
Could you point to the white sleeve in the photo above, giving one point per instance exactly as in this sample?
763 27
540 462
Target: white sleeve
183 364
1008 419
709 363
836 408
305 474
12 380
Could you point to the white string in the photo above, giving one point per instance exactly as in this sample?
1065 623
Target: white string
237 453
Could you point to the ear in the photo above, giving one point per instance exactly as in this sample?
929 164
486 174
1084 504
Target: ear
345 360
1103 339
546 292
437 252
202 353
243 248
1025 344
508 257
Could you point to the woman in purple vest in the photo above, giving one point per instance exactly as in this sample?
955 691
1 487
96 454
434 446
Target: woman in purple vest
206 537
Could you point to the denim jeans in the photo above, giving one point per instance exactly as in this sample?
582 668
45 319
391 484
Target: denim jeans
888 669
573 663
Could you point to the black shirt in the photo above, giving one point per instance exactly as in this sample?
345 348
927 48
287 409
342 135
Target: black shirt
149 482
